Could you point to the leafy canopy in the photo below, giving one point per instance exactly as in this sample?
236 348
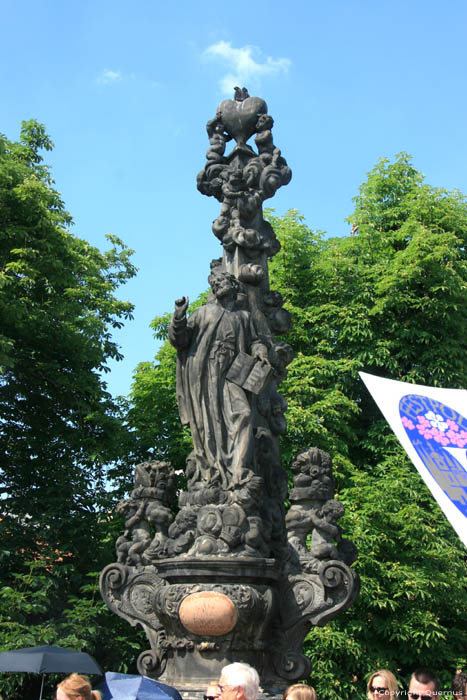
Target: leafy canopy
61 433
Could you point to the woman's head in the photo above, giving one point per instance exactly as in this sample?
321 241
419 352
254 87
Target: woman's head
299 691
76 687
382 685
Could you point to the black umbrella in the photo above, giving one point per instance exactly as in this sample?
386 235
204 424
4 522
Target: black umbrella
47 659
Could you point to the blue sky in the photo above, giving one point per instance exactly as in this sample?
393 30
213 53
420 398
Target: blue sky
125 90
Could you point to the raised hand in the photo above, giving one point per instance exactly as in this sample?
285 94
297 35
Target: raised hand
181 306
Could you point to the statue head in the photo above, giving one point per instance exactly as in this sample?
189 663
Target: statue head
223 284
312 460
332 510
265 121
126 507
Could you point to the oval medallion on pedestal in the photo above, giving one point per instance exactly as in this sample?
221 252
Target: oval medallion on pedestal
208 613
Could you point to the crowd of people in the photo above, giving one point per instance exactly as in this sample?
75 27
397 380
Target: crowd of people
239 681
423 685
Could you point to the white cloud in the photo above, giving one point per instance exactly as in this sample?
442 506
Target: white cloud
108 77
244 64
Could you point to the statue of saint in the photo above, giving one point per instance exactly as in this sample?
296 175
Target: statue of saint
217 409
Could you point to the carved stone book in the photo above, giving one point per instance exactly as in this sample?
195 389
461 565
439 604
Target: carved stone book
249 373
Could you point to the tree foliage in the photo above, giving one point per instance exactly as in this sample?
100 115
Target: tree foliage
153 412
391 299
61 433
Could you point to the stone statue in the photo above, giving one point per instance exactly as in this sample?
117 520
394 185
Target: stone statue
136 537
225 574
147 515
216 408
314 511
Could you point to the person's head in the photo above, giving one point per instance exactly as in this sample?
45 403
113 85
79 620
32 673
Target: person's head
238 682
382 685
76 687
299 691
223 283
459 686
424 684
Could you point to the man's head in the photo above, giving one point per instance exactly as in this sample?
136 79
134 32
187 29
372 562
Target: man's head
239 682
223 283
423 685
459 686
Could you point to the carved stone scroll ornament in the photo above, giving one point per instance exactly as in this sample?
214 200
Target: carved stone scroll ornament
310 600
225 574
129 593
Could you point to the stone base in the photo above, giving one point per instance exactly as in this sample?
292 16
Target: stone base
200 614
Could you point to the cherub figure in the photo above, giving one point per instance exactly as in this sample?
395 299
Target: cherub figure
232 189
326 531
322 524
217 139
182 532
263 139
136 538
160 517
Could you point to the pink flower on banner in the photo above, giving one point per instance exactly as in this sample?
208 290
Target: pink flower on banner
407 423
432 426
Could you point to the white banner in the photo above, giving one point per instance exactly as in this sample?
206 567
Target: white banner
430 423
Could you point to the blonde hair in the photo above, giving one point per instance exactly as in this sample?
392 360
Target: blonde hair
389 677
77 686
299 691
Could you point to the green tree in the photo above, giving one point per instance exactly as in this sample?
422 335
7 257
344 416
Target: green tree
391 299
153 412
61 434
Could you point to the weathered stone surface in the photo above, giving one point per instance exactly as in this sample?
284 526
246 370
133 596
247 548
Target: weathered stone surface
231 577
208 613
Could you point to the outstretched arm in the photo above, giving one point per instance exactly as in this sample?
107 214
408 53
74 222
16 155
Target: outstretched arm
179 332
134 519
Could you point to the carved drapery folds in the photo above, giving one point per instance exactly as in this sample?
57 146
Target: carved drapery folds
224 574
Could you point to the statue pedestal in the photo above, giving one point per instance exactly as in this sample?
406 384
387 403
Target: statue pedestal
201 614
215 611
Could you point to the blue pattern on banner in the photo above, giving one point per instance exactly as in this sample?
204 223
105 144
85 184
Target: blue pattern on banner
439 436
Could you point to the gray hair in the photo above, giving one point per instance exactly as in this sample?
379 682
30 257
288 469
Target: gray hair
242 675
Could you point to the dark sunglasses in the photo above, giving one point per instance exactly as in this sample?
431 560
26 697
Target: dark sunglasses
210 697
416 696
378 690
